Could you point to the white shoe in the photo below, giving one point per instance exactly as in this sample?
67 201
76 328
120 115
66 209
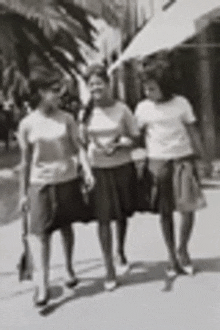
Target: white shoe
188 269
122 269
110 285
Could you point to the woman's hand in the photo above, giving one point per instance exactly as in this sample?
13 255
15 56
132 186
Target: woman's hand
24 203
89 180
122 142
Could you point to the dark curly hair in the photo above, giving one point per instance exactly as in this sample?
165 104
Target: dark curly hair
158 69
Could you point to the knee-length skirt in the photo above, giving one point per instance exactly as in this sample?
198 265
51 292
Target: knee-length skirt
114 192
55 206
170 185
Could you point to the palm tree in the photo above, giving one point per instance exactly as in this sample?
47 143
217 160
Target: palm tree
54 31
50 27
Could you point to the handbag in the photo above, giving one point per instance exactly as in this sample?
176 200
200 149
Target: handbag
25 265
146 192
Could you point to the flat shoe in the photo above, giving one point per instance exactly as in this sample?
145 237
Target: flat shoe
40 302
110 285
172 272
188 269
187 266
123 269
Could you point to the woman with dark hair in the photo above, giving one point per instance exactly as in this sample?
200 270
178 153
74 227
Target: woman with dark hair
110 132
172 144
49 186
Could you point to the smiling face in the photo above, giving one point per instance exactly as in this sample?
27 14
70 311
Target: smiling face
99 88
152 91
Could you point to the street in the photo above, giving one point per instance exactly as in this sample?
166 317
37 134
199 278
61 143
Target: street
143 300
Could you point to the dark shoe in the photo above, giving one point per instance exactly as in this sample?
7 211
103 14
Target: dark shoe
72 283
121 259
40 302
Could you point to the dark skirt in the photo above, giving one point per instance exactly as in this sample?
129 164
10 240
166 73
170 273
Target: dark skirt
168 186
55 206
113 195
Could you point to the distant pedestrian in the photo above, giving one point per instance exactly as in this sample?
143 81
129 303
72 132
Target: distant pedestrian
49 178
172 144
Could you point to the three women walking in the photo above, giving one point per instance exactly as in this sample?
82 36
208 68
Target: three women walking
50 142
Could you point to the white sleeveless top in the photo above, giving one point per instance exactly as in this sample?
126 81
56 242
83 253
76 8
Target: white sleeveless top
54 142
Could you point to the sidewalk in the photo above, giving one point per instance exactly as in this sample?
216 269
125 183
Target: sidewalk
143 301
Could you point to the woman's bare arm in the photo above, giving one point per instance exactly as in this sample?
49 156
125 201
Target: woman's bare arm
199 147
196 141
25 165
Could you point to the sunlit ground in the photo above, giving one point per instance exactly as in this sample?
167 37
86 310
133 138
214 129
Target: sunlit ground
8 184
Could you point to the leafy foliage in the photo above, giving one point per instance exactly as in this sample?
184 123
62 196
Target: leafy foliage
55 31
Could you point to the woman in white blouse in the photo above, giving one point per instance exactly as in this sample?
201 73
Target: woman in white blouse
172 141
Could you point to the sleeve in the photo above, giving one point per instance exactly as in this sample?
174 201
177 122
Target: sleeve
139 115
131 126
188 115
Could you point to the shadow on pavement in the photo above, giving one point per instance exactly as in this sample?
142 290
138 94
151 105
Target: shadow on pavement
141 273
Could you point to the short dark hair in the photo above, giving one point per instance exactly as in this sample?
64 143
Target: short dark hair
98 70
39 82
161 73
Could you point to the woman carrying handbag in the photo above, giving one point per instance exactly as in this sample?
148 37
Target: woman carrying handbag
49 184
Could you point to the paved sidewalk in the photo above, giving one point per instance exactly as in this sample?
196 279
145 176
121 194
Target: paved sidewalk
143 301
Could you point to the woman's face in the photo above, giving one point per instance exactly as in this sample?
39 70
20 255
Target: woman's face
152 91
99 89
51 96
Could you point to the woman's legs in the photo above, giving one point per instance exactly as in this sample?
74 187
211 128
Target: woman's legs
121 231
188 220
105 237
67 235
40 250
168 232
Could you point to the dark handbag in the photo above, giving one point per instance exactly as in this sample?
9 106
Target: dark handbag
25 265
146 192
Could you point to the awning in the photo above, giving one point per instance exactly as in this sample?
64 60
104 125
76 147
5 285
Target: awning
167 29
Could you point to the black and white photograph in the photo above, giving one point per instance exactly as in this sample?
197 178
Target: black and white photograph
109 164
